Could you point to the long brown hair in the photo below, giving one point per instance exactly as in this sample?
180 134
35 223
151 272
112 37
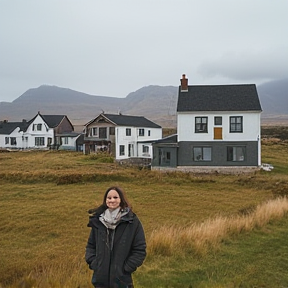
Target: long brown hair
123 203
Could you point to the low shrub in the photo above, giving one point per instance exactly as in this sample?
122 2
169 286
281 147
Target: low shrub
101 157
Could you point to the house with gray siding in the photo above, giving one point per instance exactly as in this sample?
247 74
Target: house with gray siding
218 126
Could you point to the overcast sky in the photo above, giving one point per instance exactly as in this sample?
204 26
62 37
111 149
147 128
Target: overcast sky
112 47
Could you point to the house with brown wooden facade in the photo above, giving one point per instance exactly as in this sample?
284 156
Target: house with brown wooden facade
124 136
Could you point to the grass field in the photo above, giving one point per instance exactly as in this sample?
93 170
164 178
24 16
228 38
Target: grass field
202 230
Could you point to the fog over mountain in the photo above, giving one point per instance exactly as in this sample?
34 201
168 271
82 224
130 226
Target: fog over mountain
157 103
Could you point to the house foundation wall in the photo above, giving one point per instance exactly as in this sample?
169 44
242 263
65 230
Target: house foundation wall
209 169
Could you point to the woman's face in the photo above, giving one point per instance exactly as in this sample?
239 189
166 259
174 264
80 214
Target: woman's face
113 200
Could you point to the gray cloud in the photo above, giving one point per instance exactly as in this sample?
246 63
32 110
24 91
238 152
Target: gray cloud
266 64
116 47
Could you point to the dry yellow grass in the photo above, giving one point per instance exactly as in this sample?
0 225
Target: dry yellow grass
198 238
45 197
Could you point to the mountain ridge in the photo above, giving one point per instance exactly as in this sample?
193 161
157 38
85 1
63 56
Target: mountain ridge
157 103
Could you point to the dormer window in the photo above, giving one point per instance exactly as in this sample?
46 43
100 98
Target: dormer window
201 124
37 127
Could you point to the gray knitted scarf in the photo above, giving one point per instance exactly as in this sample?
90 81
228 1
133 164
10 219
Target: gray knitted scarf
111 218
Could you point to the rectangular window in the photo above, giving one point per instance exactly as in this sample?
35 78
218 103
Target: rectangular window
202 153
6 140
103 132
128 131
145 149
13 141
122 150
149 133
236 153
130 150
164 157
49 141
37 127
236 124
217 120
94 131
201 124
168 156
65 140
39 141
112 130
141 132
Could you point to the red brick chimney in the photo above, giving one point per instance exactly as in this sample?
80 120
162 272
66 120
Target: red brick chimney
184 83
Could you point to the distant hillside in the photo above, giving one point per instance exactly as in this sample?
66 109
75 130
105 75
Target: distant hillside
274 97
154 102
157 103
274 100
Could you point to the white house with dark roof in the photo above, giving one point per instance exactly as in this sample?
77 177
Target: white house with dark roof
50 131
122 135
41 132
218 126
12 134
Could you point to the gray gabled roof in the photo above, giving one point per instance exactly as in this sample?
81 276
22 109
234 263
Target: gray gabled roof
51 120
127 120
242 97
7 128
171 139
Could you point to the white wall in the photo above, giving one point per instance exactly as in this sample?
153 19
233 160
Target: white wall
149 154
122 139
186 127
15 134
71 143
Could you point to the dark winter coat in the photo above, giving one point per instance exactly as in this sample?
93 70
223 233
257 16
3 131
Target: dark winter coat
113 268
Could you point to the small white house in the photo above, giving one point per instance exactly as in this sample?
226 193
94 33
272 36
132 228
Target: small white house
41 132
12 134
122 135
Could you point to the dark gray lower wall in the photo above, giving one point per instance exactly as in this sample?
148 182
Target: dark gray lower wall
219 154
160 156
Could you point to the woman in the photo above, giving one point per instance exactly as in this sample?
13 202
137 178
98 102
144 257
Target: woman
116 245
